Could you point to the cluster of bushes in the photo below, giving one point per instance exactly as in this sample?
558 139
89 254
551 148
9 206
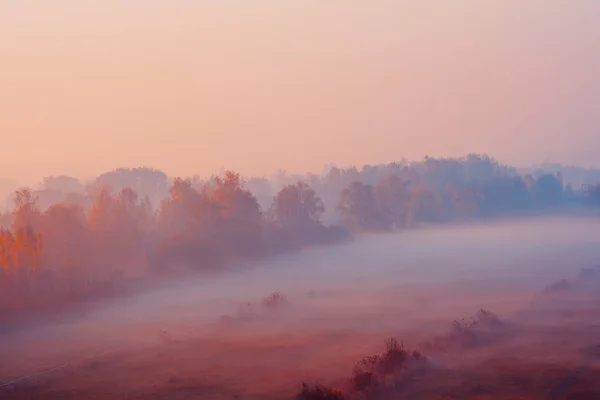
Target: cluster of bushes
374 376
248 312
401 373
587 279
478 330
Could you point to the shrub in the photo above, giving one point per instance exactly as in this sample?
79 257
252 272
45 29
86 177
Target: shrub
363 381
275 300
318 392
559 286
165 336
467 333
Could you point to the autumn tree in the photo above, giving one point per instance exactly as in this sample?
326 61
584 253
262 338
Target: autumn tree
464 200
6 251
146 182
26 248
296 212
426 204
26 212
118 226
186 223
297 206
239 227
393 198
64 230
5 220
360 209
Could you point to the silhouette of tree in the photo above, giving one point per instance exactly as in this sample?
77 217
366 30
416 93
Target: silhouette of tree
297 206
360 209
240 225
62 183
147 182
592 193
26 212
296 211
64 230
118 226
393 199
548 190
426 204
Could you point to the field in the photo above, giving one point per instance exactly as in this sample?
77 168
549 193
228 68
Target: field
503 310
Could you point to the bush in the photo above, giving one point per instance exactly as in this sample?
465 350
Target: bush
165 336
275 300
370 373
363 381
559 286
318 392
467 333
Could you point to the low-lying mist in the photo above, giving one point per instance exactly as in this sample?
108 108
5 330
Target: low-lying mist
257 332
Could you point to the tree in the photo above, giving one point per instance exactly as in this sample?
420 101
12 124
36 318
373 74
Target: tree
27 249
297 206
592 193
66 245
426 204
26 212
296 217
548 190
505 194
239 226
25 246
118 228
62 183
262 190
147 182
464 200
187 227
360 210
6 250
393 200
6 220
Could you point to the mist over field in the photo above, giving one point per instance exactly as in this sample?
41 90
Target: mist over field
440 278
216 337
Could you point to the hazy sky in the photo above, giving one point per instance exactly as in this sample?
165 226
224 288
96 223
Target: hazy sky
189 86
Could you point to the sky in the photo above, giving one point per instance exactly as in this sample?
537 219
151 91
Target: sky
191 86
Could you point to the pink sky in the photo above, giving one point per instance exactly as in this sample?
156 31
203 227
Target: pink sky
189 86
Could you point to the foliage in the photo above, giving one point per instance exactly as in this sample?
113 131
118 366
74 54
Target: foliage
67 240
318 392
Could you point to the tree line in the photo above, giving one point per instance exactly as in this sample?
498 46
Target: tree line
65 242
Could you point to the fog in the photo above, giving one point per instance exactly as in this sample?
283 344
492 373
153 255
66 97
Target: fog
389 257
338 304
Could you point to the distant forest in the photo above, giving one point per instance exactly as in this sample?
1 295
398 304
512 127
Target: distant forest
67 241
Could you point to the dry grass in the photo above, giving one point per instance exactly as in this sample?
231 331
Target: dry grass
484 357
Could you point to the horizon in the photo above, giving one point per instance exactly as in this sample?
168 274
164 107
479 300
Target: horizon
193 87
35 182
